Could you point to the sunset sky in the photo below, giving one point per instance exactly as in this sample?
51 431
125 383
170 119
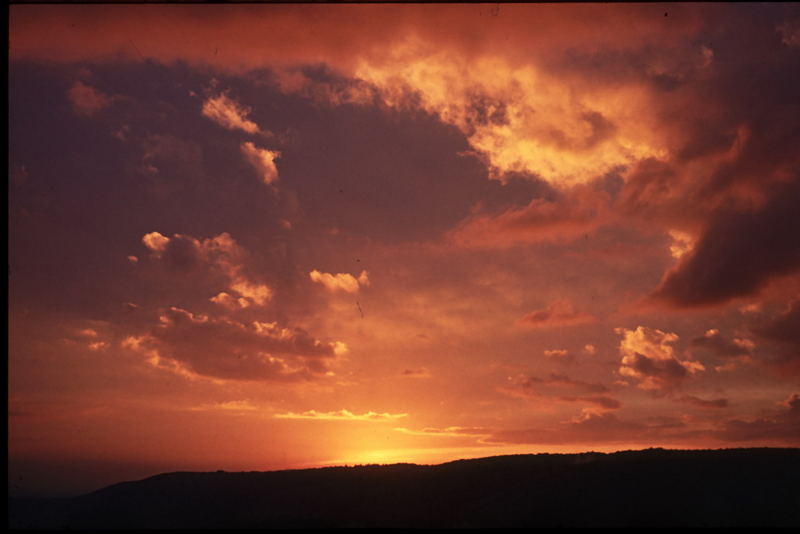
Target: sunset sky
266 237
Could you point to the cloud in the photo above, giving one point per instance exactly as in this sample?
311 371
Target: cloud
704 403
183 254
235 406
589 427
231 303
450 431
739 252
562 356
529 383
230 350
782 424
519 118
782 328
600 401
558 313
341 415
715 343
577 212
420 372
682 243
562 388
647 355
86 100
262 160
340 281
155 242
229 114
782 331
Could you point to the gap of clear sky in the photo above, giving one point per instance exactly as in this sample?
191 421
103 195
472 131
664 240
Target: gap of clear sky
253 237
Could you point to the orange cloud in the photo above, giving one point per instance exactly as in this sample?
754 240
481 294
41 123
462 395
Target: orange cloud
262 160
647 355
340 281
341 415
559 313
229 114
579 210
450 431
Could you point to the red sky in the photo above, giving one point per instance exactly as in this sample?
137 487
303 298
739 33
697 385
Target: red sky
263 237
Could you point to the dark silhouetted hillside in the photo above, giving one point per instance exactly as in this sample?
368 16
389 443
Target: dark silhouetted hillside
737 487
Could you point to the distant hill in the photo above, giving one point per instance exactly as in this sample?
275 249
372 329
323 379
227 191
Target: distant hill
655 487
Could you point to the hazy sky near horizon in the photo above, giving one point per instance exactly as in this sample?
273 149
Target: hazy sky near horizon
259 237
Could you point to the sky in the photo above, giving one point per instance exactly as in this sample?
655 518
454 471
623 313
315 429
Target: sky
257 237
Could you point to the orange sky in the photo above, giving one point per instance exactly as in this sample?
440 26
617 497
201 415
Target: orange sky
260 237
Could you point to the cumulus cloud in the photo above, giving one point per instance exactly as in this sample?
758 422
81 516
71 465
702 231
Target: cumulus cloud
155 242
221 348
342 415
182 254
340 281
648 356
87 100
227 301
558 313
682 243
262 160
229 114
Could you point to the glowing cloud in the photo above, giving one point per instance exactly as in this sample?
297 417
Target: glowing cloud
648 356
182 253
227 349
262 160
340 281
341 415
229 114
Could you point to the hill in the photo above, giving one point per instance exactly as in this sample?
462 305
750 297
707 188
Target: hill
655 487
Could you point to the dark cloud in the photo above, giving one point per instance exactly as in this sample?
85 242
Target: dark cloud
560 380
783 332
227 349
718 345
563 388
782 425
668 373
783 328
738 253
589 428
